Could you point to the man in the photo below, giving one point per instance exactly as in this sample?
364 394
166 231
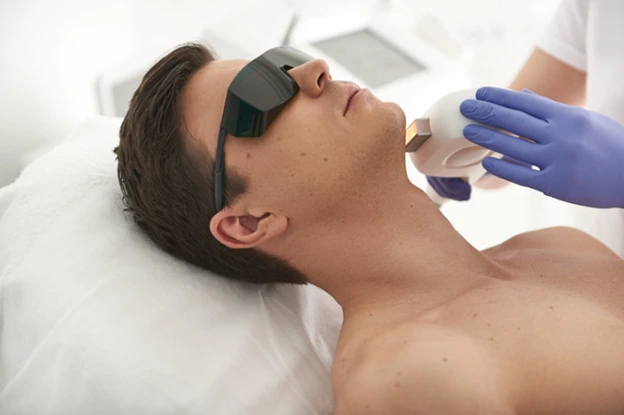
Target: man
579 61
321 195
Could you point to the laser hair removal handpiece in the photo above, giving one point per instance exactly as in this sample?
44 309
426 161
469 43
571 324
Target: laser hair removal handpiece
437 147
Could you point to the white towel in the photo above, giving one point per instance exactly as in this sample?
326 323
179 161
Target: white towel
97 320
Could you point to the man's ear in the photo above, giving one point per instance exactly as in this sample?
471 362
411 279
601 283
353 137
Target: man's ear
242 230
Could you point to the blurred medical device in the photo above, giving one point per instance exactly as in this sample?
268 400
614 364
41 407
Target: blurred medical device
402 55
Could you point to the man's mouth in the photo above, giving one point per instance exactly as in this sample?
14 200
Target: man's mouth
351 90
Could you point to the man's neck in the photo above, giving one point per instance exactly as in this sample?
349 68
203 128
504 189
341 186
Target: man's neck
404 253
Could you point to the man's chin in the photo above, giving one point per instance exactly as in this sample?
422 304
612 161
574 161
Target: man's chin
398 123
400 114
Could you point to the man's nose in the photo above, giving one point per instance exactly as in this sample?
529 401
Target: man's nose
312 77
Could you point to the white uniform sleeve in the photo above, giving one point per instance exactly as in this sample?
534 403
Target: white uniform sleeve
565 37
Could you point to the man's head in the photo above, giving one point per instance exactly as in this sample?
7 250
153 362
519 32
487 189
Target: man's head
315 162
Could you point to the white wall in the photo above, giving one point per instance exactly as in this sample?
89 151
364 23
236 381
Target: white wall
53 51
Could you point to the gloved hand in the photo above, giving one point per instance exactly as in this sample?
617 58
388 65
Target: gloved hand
450 187
458 189
579 153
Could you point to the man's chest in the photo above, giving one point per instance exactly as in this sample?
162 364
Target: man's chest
560 348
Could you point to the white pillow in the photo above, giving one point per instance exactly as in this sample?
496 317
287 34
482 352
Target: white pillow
97 320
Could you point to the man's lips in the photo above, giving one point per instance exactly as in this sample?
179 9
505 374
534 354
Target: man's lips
351 90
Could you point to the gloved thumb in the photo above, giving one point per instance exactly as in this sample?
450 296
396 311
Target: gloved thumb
528 91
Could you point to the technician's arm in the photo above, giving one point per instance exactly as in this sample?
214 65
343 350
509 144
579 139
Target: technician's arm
556 68
547 76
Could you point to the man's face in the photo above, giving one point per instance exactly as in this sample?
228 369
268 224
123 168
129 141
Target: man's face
325 147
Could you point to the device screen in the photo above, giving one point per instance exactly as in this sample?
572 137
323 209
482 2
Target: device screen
370 57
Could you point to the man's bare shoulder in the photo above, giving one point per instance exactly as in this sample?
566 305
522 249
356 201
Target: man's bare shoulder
559 238
423 369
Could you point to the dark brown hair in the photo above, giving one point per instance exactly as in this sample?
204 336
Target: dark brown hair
168 184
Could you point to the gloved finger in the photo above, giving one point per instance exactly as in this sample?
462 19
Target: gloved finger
518 162
532 104
446 187
434 182
460 189
521 175
514 147
514 121
451 187
512 161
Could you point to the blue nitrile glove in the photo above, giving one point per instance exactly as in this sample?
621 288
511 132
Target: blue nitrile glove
458 189
450 187
579 153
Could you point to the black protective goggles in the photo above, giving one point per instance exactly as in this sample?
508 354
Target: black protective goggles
254 99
